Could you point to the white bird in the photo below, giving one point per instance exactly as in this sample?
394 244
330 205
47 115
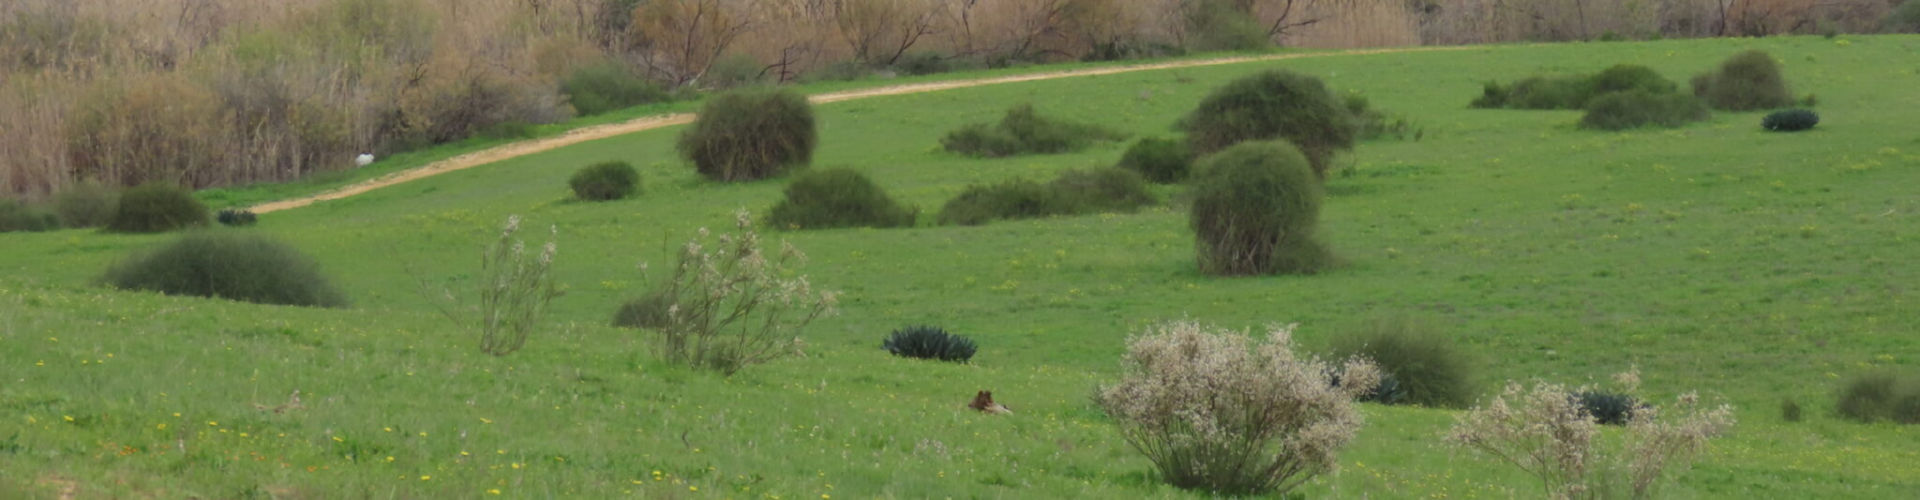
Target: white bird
363 160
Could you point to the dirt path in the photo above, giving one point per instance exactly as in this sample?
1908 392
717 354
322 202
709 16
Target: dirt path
576 136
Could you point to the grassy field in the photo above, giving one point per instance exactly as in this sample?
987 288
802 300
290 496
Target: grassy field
1751 266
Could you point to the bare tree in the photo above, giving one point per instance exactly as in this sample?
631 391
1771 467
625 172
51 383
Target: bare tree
684 37
880 31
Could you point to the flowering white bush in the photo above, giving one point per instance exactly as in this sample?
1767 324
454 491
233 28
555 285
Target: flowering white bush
1217 411
514 291
731 306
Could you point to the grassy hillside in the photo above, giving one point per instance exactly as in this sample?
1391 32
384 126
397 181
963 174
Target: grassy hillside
1752 266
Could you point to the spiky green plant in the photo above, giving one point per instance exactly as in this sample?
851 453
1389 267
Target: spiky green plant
929 342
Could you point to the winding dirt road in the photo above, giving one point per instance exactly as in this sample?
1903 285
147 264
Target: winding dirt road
584 134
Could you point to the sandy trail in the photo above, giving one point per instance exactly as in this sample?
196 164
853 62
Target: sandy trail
584 134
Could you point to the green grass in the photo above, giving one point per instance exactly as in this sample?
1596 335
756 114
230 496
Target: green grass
1750 266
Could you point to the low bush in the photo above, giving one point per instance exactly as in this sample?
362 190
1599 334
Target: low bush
236 217
732 305
600 88
1572 91
1218 25
1747 81
1163 161
605 181
1790 120
1880 396
923 63
831 198
751 134
1371 124
1256 207
1024 131
1424 367
1630 77
155 208
928 342
1641 108
229 265
17 216
1217 411
1102 190
1606 408
1904 19
85 204
732 71
648 312
1272 105
1014 199
1551 92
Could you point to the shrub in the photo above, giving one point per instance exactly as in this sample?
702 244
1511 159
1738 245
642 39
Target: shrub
733 305
1747 81
928 342
1424 367
85 204
1572 91
236 217
647 312
1550 92
1629 77
1790 410
750 134
17 216
1164 161
1216 25
1905 18
604 181
1024 131
1493 95
1255 209
1876 396
734 70
1370 124
157 207
1102 190
512 292
922 63
1790 120
228 265
1216 411
1269 105
1606 408
1545 432
600 88
833 198
1641 108
1014 199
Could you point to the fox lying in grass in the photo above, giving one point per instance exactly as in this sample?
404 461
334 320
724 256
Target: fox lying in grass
984 402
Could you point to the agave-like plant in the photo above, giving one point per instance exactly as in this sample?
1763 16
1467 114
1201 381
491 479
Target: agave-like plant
929 342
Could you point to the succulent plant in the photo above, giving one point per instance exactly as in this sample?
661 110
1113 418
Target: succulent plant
929 342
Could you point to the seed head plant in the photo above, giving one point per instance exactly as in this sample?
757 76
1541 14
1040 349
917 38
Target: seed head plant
732 305
1217 411
514 291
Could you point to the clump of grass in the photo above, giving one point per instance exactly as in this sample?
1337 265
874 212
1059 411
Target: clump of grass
1272 105
832 198
1219 412
1256 207
1024 131
1418 366
751 134
229 265
605 181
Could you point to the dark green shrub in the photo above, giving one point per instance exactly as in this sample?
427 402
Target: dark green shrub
1102 190
922 63
1551 92
157 207
1790 410
647 312
1747 81
1024 131
1217 25
1164 161
1790 120
604 181
1628 77
1422 366
229 265
1493 95
1905 18
1014 199
734 71
1256 207
1640 108
17 216
831 198
1606 408
1269 105
236 217
1572 91
928 342
85 204
1880 395
1371 124
750 134
607 87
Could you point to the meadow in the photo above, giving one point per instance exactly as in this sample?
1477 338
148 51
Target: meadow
1753 267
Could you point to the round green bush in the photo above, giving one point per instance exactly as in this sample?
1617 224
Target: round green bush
230 265
1269 105
831 198
155 208
1014 199
750 134
1747 81
927 342
1256 207
1102 190
85 204
1790 120
1163 161
1642 108
1628 77
604 181
1424 367
17 216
